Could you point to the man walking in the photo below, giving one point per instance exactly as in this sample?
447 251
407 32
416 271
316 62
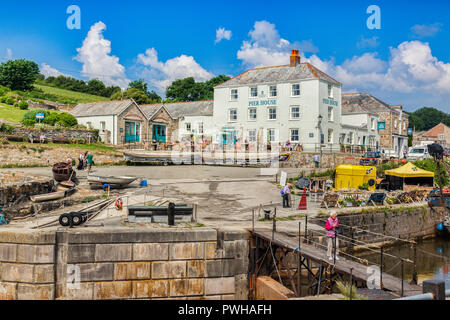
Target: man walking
285 193
316 160
90 161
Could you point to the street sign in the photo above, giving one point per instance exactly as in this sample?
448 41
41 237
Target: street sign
410 131
40 116
381 125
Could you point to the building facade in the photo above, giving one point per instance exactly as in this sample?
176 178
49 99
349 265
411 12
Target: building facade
392 123
296 103
118 122
440 134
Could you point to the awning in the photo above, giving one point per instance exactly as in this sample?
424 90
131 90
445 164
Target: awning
409 171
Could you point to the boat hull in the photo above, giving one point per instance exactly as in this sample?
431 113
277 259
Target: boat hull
112 181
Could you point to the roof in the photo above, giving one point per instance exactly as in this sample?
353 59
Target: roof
102 108
181 109
364 103
436 130
409 171
277 74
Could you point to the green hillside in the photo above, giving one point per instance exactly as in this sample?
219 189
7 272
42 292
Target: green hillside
69 97
10 113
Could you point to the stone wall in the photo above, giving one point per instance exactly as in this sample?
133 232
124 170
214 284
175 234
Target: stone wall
40 155
328 160
88 136
16 192
124 264
404 222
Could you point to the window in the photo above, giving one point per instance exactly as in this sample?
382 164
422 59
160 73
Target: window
330 90
372 123
330 135
232 115
404 125
395 123
252 135
188 126
273 91
342 138
234 94
295 89
330 114
89 124
271 135
253 92
294 135
103 125
200 127
272 113
295 112
252 114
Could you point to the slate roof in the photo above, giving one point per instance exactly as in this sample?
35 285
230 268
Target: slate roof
363 103
102 108
278 74
180 109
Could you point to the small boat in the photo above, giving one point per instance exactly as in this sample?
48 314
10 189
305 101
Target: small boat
63 171
111 180
52 195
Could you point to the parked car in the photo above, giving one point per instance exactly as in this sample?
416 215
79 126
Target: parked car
390 154
370 158
418 153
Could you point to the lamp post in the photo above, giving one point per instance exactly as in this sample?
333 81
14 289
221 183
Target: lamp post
319 126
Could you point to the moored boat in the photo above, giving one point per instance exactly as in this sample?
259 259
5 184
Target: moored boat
63 171
52 195
111 180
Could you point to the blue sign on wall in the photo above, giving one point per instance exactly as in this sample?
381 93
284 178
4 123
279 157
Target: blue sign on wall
410 131
381 125
262 103
40 116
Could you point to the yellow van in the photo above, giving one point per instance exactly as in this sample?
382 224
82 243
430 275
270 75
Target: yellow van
351 177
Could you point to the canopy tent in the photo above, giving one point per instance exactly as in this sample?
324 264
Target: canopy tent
410 175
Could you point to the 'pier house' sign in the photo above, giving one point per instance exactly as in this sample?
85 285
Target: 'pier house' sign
269 102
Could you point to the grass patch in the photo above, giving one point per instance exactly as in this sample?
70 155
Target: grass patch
70 97
11 114
88 147
19 166
345 290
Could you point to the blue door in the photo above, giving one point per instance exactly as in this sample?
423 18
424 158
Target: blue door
132 131
159 133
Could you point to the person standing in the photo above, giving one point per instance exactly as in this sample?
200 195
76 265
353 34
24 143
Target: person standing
85 161
90 161
316 160
331 226
285 193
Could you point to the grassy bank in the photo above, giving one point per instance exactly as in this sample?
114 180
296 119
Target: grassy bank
11 114
88 147
70 96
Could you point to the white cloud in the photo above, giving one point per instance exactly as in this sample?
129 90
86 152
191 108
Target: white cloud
221 34
9 54
267 48
368 42
49 71
423 30
95 55
162 74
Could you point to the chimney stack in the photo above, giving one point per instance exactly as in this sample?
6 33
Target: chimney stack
295 58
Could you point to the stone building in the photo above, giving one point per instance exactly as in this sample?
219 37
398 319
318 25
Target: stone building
118 122
162 126
439 133
392 121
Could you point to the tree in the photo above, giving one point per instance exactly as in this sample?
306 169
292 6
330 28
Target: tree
426 118
142 85
19 74
188 90
96 87
137 95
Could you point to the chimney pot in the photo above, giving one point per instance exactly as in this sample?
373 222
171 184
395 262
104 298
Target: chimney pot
295 58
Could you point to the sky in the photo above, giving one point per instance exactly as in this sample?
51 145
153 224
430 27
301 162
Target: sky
403 60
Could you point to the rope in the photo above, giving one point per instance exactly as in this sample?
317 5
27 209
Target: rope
433 254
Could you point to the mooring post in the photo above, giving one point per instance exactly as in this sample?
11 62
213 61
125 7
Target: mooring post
381 267
306 229
414 279
351 283
299 262
403 274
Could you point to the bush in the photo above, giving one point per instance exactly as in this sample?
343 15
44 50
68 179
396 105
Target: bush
6 128
16 104
9 101
67 120
3 99
3 90
23 105
28 122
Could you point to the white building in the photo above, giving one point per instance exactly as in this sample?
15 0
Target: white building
295 102
359 128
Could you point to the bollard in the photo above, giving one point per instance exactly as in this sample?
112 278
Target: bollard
171 214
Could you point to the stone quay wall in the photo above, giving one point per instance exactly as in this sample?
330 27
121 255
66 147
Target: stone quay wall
40 155
167 263
87 136
327 160
403 222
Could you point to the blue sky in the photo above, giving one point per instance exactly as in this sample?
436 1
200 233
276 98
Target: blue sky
405 62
